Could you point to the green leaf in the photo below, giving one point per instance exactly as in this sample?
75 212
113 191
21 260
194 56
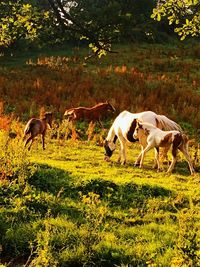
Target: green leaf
158 17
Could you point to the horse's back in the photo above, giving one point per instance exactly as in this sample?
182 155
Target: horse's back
126 118
144 114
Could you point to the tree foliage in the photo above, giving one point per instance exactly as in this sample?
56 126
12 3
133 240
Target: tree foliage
184 14
101 22
20 20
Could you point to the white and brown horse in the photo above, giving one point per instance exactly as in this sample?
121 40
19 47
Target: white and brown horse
90 114
124 126
36 126
152 137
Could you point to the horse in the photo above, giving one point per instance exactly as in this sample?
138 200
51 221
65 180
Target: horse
91 114
123 128
36 126
152 137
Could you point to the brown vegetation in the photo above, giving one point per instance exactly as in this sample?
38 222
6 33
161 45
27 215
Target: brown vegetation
158 80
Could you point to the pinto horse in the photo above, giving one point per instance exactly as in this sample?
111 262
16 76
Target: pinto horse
91 114
35 127
152 137
123 129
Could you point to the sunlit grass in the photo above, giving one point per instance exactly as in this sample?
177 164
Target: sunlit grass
86 160
75 208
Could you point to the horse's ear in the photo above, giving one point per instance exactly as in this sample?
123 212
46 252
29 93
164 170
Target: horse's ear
139 123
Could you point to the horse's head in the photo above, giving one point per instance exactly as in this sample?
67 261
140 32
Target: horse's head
109 149
49 116
110 107
138 130
69 114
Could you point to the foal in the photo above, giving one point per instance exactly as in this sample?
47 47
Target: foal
152 137
92 114
37 126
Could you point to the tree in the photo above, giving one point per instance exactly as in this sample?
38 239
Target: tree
183 14
20 20
96 21
101 22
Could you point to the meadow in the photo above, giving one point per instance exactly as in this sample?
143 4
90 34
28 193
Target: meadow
66 206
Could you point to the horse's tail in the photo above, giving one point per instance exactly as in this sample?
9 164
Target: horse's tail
29 126
27 129
185 140
166 124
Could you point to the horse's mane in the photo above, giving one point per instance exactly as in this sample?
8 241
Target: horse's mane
81 107
147 125
100 104
111 134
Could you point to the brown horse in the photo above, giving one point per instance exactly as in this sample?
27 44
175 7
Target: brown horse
92 114
37 126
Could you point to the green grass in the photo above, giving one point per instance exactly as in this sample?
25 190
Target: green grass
75 209
20 58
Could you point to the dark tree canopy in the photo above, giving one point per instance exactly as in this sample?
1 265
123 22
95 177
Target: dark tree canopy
102 22
99 22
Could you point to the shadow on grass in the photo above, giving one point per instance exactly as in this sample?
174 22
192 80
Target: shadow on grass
126 195
62 185
51 179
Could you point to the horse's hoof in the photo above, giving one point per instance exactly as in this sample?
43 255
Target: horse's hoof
136 164
106 158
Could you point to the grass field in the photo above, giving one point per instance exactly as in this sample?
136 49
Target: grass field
69 207
66 206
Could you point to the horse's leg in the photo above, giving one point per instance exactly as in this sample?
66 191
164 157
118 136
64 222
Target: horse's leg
74 133
137 162
90 130
163 155
174 159
144 151
28 140
122 153
184 150
32 139
156 159
171 167
43 146
101 124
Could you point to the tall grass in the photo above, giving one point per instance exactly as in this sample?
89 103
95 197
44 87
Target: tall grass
159 78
